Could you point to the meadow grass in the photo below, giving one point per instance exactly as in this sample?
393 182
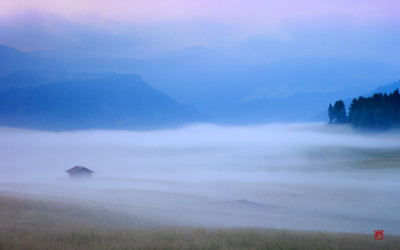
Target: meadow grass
36 224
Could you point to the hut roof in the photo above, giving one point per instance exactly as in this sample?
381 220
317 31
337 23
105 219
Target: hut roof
77 169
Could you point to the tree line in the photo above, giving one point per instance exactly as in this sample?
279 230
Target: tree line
379 112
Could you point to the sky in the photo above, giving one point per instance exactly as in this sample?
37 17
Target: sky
255 30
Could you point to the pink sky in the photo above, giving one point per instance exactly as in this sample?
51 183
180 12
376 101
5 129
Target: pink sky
236 27
241 12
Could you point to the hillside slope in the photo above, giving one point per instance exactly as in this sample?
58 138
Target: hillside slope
113 101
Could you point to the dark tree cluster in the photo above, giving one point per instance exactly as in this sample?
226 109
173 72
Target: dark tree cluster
337 113
379 112
376 112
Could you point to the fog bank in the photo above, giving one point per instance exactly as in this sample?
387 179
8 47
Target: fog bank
296 176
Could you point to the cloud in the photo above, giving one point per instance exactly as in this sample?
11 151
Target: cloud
302 176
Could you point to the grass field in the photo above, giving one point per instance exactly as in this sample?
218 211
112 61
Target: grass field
34 224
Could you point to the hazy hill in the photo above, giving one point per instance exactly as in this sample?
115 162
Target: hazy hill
91 101
231 91
12 60
386 88
32 78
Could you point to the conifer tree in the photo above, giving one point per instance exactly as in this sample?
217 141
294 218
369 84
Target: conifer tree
339 112
330 113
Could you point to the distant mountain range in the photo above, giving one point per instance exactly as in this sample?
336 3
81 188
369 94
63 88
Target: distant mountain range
223 89
389 88
57 100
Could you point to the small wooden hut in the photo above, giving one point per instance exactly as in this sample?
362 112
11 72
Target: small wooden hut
79 172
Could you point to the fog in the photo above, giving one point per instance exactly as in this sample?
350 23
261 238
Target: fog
293 176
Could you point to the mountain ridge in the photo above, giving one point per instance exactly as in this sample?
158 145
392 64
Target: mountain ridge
116 101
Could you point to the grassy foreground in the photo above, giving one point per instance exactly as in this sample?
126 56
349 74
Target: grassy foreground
33 224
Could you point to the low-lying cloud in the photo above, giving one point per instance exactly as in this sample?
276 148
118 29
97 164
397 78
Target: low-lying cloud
298 176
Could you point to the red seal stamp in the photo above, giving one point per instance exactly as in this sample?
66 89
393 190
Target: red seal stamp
378 234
